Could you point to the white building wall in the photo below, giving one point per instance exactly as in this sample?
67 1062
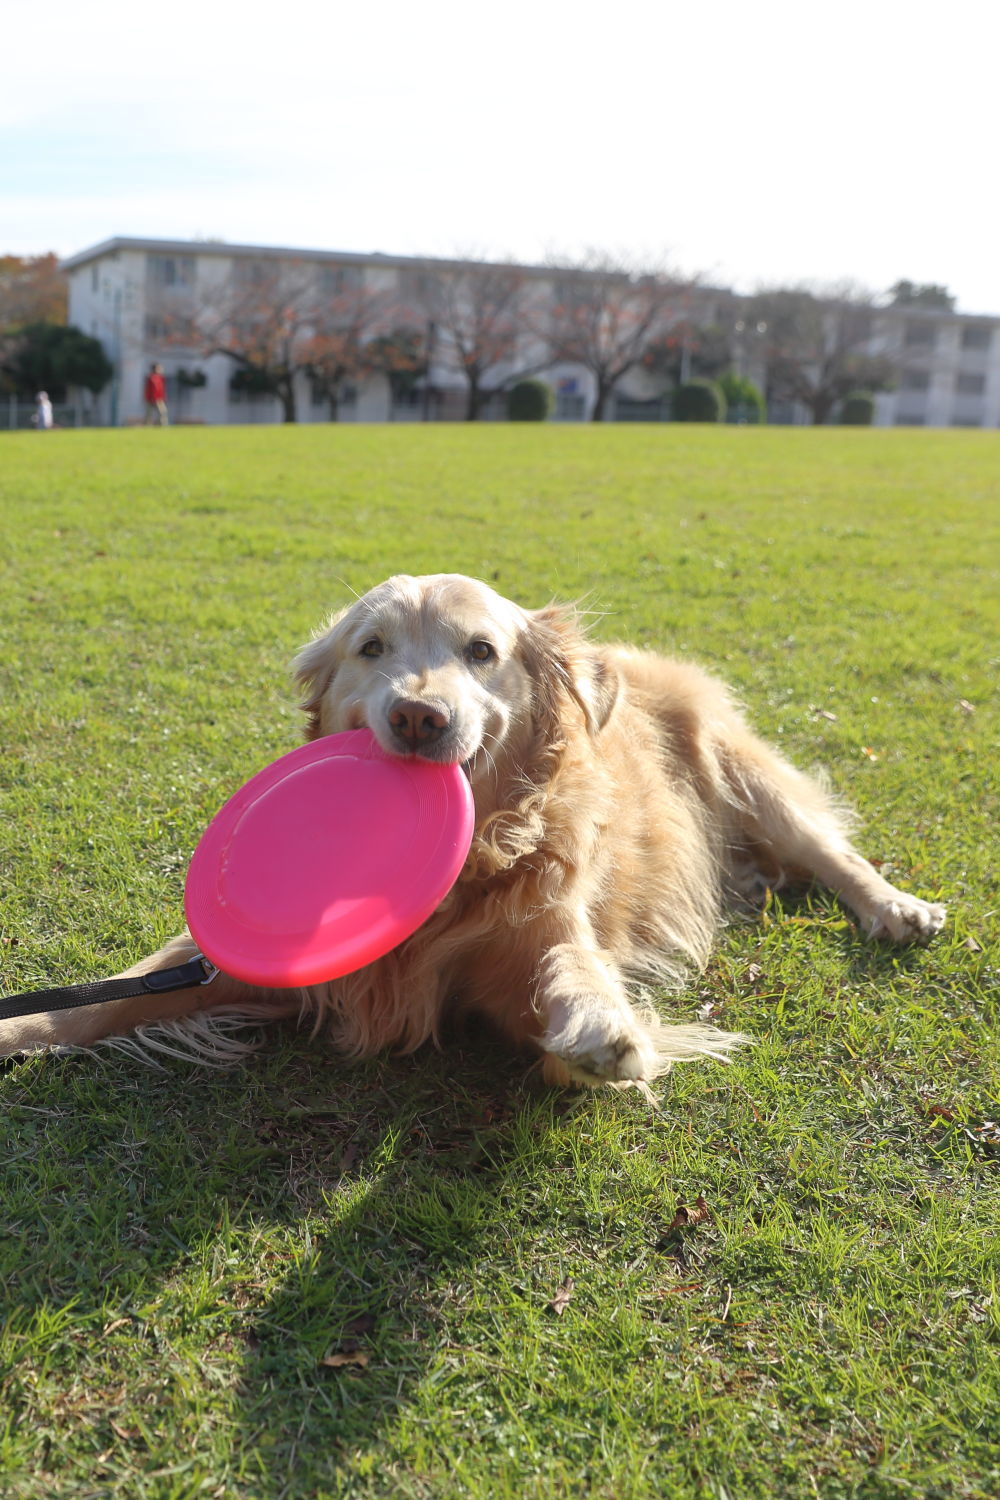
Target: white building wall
113 298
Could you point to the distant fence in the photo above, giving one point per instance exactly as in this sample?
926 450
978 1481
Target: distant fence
19 416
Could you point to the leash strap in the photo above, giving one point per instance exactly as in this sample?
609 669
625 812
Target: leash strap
198 970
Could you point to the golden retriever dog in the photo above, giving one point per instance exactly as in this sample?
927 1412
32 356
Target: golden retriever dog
620 801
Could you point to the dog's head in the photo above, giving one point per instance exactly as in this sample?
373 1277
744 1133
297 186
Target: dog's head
444 668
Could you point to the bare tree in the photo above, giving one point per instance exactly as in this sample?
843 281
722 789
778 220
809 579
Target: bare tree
263 322
817 347
279 319
606 314
475 312
351 338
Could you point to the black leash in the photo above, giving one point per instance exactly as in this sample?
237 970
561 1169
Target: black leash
198 970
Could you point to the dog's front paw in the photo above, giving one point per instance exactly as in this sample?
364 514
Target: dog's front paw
603 1047
906 919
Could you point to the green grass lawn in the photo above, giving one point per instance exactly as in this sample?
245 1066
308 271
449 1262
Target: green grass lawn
183 1252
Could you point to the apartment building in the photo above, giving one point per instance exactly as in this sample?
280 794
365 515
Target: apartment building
163 301
948 368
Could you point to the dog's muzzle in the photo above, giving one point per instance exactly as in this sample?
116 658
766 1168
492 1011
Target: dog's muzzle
420 726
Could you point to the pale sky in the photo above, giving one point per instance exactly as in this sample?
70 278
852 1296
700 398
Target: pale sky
758 142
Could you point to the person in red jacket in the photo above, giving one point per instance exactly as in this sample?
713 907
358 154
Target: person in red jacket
155 393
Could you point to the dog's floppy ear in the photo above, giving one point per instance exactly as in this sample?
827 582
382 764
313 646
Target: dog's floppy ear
314 668
562 662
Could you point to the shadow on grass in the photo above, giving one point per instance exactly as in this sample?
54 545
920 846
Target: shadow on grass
297 1224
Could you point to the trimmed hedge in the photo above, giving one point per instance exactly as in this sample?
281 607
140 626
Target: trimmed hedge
858 409
529 401
744 400
699 401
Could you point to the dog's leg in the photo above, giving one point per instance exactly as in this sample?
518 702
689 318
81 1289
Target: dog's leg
92 1023
797 825
592 1032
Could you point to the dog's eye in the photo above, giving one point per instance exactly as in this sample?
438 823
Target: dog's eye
374 647
480 651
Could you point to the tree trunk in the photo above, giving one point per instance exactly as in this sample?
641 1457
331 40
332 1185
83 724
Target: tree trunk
334 400
286 393
600 403
474 401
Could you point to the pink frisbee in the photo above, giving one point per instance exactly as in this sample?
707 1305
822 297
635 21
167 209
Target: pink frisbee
326 860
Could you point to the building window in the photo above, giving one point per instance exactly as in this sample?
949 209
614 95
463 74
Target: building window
421 287
959 421
975 336
920 336
253 272
570 295
171 327
334 281
915 380
970 385
170 270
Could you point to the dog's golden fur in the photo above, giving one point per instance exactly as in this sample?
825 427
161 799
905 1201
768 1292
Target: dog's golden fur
620 799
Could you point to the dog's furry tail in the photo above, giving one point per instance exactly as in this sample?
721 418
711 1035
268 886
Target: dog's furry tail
221 1038
674 1044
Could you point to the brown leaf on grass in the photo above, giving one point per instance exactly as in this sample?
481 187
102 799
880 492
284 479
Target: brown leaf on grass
869 752
341 1357
754 972
972 945
935 1111
966 706
563 1297
686 1218
824 713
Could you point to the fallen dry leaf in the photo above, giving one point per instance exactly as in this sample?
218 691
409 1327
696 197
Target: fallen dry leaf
686 1218
343 1357
966 706
936 1111
349 1157
871 754
972 945
563 1297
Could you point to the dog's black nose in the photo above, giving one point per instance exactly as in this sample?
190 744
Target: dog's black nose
417 723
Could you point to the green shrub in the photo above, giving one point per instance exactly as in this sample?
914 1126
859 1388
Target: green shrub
744 400
529 401
250 381
699 401
858 409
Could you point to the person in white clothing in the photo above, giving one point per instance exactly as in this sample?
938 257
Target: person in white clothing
43 411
